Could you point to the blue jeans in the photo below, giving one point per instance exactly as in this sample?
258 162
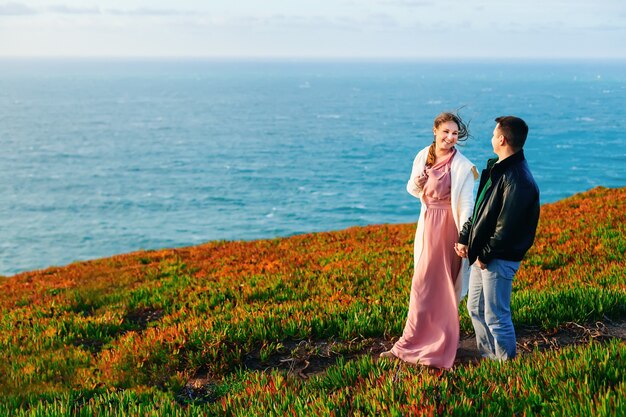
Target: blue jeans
489 306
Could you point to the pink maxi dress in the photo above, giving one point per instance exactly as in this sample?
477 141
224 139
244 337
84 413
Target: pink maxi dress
431 333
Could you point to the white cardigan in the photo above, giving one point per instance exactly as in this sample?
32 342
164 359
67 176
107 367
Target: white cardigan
464 175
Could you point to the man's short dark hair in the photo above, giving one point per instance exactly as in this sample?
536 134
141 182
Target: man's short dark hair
514 129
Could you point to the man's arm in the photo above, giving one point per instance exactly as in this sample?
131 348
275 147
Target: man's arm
465 231
461 247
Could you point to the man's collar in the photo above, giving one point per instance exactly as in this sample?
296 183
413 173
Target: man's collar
506 162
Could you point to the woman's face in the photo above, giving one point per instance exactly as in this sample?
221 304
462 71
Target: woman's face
446 135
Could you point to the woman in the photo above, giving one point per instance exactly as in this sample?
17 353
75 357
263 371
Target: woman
443 179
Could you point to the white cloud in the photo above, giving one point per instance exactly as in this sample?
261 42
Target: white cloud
317 24
21 9
151 12
321 28
16 9
408 3
62 9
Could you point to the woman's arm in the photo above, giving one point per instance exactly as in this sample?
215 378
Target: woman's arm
418 168
466 201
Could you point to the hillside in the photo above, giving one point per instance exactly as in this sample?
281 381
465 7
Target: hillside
292 325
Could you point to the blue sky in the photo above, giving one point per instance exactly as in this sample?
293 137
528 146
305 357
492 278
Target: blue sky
315 29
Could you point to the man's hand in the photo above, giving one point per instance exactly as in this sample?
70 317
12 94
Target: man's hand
460 250
480 264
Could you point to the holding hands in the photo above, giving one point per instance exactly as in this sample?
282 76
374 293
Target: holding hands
460 250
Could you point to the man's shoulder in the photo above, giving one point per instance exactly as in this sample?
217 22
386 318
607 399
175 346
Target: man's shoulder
520 176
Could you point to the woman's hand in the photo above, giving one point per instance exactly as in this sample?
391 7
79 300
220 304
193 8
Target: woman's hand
460 250
420 180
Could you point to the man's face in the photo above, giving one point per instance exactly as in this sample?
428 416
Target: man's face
496 139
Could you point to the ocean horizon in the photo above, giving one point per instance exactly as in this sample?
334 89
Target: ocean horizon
109 156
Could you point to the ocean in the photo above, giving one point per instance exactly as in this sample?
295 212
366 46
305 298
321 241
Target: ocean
102 157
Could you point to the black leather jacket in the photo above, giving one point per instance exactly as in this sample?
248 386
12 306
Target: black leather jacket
506 221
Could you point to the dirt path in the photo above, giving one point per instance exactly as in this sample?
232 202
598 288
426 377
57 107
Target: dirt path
529 339
303 359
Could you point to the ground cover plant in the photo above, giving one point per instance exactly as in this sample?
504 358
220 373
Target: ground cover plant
290 326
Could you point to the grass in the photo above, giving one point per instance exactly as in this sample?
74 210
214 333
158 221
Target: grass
574 381
124 335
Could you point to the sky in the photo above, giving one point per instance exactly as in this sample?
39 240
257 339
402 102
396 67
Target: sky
344 29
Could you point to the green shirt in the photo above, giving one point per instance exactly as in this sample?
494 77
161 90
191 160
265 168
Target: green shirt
481 197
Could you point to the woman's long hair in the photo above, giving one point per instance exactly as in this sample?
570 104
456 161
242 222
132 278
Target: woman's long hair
442 118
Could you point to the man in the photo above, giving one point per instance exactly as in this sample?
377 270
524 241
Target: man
497 236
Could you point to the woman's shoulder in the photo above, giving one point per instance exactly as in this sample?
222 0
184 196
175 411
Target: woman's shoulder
465 164
462 158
